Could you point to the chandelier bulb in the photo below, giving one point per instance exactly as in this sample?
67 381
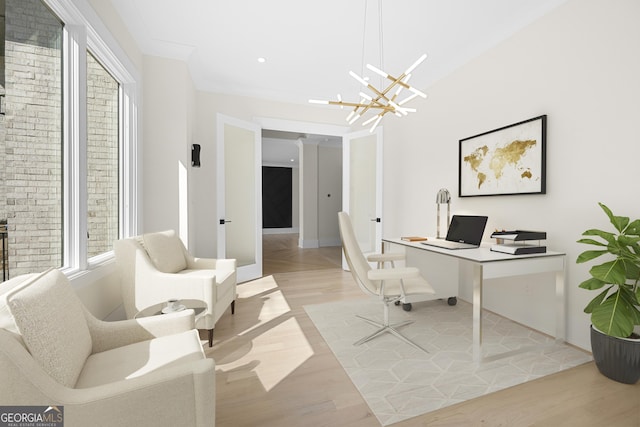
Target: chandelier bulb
415 64
358 78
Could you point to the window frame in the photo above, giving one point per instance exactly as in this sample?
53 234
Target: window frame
84 32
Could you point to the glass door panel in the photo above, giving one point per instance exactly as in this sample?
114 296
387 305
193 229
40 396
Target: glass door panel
239 195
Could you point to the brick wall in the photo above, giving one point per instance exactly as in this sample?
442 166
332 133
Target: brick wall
33 136
102 158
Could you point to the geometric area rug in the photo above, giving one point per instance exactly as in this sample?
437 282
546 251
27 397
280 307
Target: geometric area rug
398 381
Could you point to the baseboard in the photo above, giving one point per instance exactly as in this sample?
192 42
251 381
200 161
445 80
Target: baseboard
308 244
333 241
292 230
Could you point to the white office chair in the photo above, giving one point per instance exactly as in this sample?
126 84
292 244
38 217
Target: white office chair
389 285
382 259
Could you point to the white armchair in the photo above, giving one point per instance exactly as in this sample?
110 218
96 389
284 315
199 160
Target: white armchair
156 267
53 352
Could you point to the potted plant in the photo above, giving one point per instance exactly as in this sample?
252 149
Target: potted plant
615 311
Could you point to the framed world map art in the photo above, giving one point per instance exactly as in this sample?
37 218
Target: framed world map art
508 160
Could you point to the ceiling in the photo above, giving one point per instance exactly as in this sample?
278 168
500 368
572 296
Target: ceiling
310 46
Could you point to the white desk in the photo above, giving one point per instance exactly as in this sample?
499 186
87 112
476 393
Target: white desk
491 265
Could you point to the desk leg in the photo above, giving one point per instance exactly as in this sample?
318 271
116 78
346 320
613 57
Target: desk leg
477 313
560 306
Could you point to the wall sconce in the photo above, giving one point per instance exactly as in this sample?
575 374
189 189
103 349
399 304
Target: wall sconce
195 155
443 196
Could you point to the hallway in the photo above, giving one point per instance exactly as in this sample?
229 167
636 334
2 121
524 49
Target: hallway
281 254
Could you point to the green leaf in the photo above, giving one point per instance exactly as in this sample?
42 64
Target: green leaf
613 317
591 242
619 222
633 229
609 237
596 301
589 255
610 272
628 296
592 284
628 240
632 269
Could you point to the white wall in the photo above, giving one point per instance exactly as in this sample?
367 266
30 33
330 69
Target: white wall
169 111
579 65
107 14
329 194
309 214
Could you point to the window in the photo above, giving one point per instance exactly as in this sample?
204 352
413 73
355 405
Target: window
31 137
67 170
102 158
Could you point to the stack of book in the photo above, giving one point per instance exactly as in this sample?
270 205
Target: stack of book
519 242
413 238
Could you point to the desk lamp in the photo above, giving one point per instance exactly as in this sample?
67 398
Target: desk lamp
443 196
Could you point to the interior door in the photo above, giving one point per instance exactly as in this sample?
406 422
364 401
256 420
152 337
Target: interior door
362 187
239 194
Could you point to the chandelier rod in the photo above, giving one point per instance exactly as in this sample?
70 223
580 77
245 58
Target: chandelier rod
364 36
380 36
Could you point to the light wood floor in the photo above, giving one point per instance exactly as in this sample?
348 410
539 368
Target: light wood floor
274 369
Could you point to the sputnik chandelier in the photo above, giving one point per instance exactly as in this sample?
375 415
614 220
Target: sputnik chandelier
381 101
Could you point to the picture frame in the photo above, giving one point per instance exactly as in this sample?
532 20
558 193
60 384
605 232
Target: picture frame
505 161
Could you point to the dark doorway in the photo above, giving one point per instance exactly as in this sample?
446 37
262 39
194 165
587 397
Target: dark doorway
276 197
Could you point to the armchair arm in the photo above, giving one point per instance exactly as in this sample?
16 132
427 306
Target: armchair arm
108 335
226 264
202 263
211 263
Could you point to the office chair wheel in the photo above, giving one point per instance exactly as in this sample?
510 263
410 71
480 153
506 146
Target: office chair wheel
452 300
397 303
406 307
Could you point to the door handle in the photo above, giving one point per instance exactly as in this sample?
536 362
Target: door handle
224 221
375 220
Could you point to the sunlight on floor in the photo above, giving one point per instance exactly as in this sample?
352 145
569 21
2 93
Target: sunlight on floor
273 303
275 344
271 360
255 287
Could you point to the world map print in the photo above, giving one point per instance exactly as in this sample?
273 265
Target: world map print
510 155
505 162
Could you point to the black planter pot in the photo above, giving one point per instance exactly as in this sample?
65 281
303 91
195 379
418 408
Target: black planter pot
616 358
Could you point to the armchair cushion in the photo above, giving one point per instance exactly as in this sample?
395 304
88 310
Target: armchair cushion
6 319
51 320
140 358
166 251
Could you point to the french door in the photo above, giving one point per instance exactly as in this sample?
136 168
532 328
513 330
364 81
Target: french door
239 194
362 187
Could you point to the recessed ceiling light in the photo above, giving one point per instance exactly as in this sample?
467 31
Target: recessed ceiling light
261 60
